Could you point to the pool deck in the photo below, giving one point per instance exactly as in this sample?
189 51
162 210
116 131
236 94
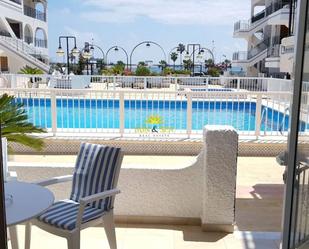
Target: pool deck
258 210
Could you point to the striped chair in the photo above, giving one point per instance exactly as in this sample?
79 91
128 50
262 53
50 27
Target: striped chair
92 197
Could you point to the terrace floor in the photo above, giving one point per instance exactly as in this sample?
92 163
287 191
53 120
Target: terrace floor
258 211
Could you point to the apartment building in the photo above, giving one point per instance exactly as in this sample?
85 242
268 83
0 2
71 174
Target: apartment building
268 34
23 35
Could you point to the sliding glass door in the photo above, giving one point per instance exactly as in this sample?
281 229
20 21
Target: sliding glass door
296 215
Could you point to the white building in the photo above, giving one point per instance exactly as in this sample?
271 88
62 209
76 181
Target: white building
23 35
266 33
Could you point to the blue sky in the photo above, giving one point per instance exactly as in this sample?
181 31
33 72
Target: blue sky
168 22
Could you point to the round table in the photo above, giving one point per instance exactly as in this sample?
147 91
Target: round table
24 201
28 201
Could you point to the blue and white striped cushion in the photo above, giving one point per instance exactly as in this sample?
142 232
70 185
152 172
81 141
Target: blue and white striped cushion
63 214
95 172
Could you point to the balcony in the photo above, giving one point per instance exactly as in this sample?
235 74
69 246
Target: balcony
259 198
170 196
275 14
31 12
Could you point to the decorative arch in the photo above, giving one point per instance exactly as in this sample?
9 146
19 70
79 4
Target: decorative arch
40 38
28 34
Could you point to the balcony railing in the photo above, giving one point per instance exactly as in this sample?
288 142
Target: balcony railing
258 16
28 39
41 43
16 1
29 11
5 33
273 51
246 25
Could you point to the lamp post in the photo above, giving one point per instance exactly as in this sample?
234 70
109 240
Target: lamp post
60 51
195 47
148 44
116 49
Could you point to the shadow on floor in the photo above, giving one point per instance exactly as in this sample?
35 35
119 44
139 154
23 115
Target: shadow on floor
190 233
263 211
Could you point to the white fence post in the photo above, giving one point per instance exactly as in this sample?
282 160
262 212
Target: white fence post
238 84
145 83
114 83
176 83
189 113
53 108
207 83
121 114
258 115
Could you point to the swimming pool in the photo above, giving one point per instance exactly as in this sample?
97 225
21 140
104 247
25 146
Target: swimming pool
104 114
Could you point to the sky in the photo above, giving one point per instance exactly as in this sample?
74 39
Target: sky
126 23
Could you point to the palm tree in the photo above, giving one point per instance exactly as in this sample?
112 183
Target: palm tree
181 49
15 126
187 64
30 70
162 64
174 57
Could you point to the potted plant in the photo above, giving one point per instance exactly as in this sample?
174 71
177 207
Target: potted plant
15 126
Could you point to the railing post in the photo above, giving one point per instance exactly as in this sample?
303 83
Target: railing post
121 114
207 83
114 83
189 113
145 83
176 82
238 84
53 108
258 115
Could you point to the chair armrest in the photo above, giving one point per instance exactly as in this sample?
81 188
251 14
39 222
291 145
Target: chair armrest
99 196
86 200
54 180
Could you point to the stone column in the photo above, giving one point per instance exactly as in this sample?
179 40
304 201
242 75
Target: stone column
219 187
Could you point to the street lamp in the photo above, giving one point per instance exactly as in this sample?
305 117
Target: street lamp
148 44
116 49
60 52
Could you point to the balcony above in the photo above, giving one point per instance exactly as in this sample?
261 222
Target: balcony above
245 28
31 12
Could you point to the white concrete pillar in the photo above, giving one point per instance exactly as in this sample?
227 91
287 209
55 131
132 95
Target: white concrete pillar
219 187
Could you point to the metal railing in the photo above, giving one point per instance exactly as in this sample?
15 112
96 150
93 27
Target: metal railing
29 11
164 84
273 51
154 113
19 46
41 43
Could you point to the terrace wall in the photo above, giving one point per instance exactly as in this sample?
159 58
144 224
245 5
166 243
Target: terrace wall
202 193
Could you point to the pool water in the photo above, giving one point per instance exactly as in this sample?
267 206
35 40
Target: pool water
85 113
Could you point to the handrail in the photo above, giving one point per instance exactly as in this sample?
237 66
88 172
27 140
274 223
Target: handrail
22 47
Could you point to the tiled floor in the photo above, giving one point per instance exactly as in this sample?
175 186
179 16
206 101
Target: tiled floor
156 237
258 208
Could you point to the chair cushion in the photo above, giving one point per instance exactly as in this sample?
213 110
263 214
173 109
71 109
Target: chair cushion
63 214
95 172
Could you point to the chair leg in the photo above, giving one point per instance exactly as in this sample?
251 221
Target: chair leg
13 236
109 226
74 241
28 235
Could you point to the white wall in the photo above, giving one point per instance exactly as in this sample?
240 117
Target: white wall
203 191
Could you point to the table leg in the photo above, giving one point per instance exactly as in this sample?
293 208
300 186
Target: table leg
13 236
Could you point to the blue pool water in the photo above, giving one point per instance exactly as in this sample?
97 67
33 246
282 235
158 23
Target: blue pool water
85 113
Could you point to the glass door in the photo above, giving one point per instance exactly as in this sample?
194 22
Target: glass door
296 214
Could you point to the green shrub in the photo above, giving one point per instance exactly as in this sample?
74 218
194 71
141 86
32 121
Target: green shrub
214 72
142 71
